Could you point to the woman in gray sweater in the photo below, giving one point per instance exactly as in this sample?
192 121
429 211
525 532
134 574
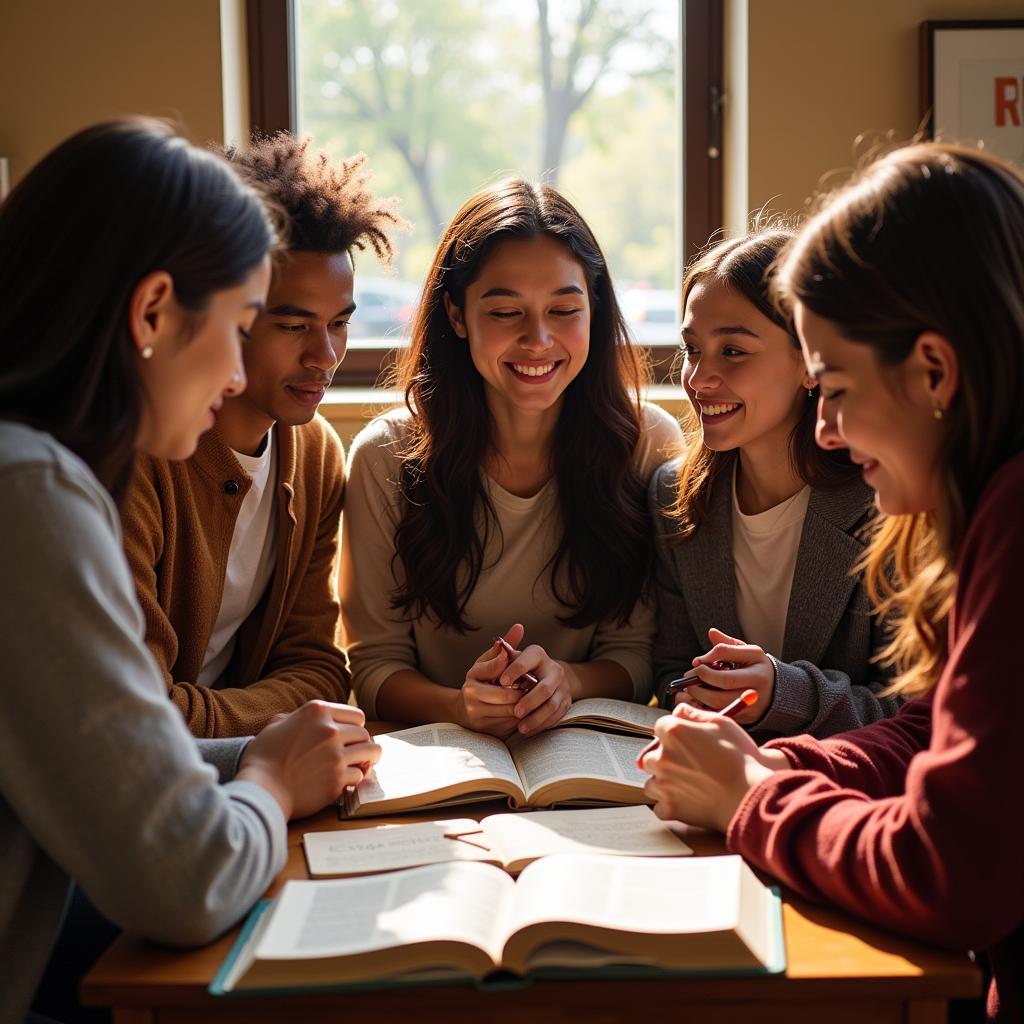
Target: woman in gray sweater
759 531
132 264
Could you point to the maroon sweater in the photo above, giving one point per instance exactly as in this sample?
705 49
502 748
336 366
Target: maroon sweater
916 823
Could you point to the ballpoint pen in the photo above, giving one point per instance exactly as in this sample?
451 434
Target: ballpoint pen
745 700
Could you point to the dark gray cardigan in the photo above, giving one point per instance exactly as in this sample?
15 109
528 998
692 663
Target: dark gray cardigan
828 622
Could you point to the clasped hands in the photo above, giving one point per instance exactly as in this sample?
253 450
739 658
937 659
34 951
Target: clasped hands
491 702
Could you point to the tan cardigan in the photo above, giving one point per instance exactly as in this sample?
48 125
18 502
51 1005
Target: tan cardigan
178 521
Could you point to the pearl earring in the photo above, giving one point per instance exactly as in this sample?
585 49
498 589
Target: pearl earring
147 352
937 411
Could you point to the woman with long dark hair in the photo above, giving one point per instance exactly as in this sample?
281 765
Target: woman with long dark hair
132 264
509 494
907 290
759 531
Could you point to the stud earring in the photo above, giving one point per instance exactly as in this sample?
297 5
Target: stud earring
147 352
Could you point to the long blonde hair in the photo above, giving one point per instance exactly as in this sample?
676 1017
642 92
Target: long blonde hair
928 238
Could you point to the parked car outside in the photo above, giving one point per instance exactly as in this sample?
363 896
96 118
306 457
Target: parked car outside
385 308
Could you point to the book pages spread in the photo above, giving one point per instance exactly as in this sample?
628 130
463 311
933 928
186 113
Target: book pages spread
577 754
432 757
466 903
604 712
511 840
653 896
624 831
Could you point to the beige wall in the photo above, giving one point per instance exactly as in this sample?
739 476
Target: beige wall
821 72
67 63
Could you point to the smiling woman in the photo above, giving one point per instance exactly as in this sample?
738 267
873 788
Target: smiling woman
758 528
509 495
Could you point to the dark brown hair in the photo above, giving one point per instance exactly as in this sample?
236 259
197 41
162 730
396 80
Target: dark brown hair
601 564
112 204
746 265
928 238
329 203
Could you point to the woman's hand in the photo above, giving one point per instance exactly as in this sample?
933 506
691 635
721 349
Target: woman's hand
487 706
704 767
545 703
305 759
754 671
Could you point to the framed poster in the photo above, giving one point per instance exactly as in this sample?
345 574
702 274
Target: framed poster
972 84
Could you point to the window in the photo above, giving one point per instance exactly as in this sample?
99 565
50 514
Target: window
447 95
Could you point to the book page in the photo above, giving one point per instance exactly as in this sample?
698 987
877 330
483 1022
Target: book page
466 903
362 851
431 757
605 711
577 754
669 896
609 830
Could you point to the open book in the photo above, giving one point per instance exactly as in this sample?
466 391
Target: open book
441 765
612 715
510 841
695 914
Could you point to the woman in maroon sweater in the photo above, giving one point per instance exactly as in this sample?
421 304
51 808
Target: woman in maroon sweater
908 295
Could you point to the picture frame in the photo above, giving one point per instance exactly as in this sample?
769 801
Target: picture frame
972 84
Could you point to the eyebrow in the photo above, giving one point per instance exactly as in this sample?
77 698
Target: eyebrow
720 332
306 314
569 289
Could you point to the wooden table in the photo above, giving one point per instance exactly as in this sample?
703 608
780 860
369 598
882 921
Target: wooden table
840 971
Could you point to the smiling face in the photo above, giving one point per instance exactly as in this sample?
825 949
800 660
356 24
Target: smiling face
190 372
526 319
742 372
295 347
884 415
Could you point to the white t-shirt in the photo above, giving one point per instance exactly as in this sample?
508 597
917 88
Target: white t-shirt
764 548
251 560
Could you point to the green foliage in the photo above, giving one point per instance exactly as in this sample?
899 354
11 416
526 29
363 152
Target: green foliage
445 96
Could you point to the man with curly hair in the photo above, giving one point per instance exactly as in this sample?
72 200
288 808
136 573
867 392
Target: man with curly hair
234 551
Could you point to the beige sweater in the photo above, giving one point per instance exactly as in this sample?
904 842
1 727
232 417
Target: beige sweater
381 641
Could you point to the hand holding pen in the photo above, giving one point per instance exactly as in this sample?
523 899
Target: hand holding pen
702 764
720 674
746 699
528 686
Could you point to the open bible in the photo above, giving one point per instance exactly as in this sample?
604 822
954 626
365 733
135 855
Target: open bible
442 765
563 914
510 841
612 716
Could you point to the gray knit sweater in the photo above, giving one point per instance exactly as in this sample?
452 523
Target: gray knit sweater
100 781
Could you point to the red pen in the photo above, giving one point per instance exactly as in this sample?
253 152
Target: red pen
745 700
692 679
527 681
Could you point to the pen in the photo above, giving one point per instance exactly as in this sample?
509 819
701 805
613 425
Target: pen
745 700
527 681
692 679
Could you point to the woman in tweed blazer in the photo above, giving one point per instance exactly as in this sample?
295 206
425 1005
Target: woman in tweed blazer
759 531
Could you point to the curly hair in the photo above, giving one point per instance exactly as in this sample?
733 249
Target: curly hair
328 202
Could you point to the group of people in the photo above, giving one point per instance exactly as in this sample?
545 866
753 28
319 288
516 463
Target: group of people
833 526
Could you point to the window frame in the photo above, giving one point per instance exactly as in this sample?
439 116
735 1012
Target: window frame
272 107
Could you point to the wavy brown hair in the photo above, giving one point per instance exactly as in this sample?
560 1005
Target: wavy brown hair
601 564
928 238
746 265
